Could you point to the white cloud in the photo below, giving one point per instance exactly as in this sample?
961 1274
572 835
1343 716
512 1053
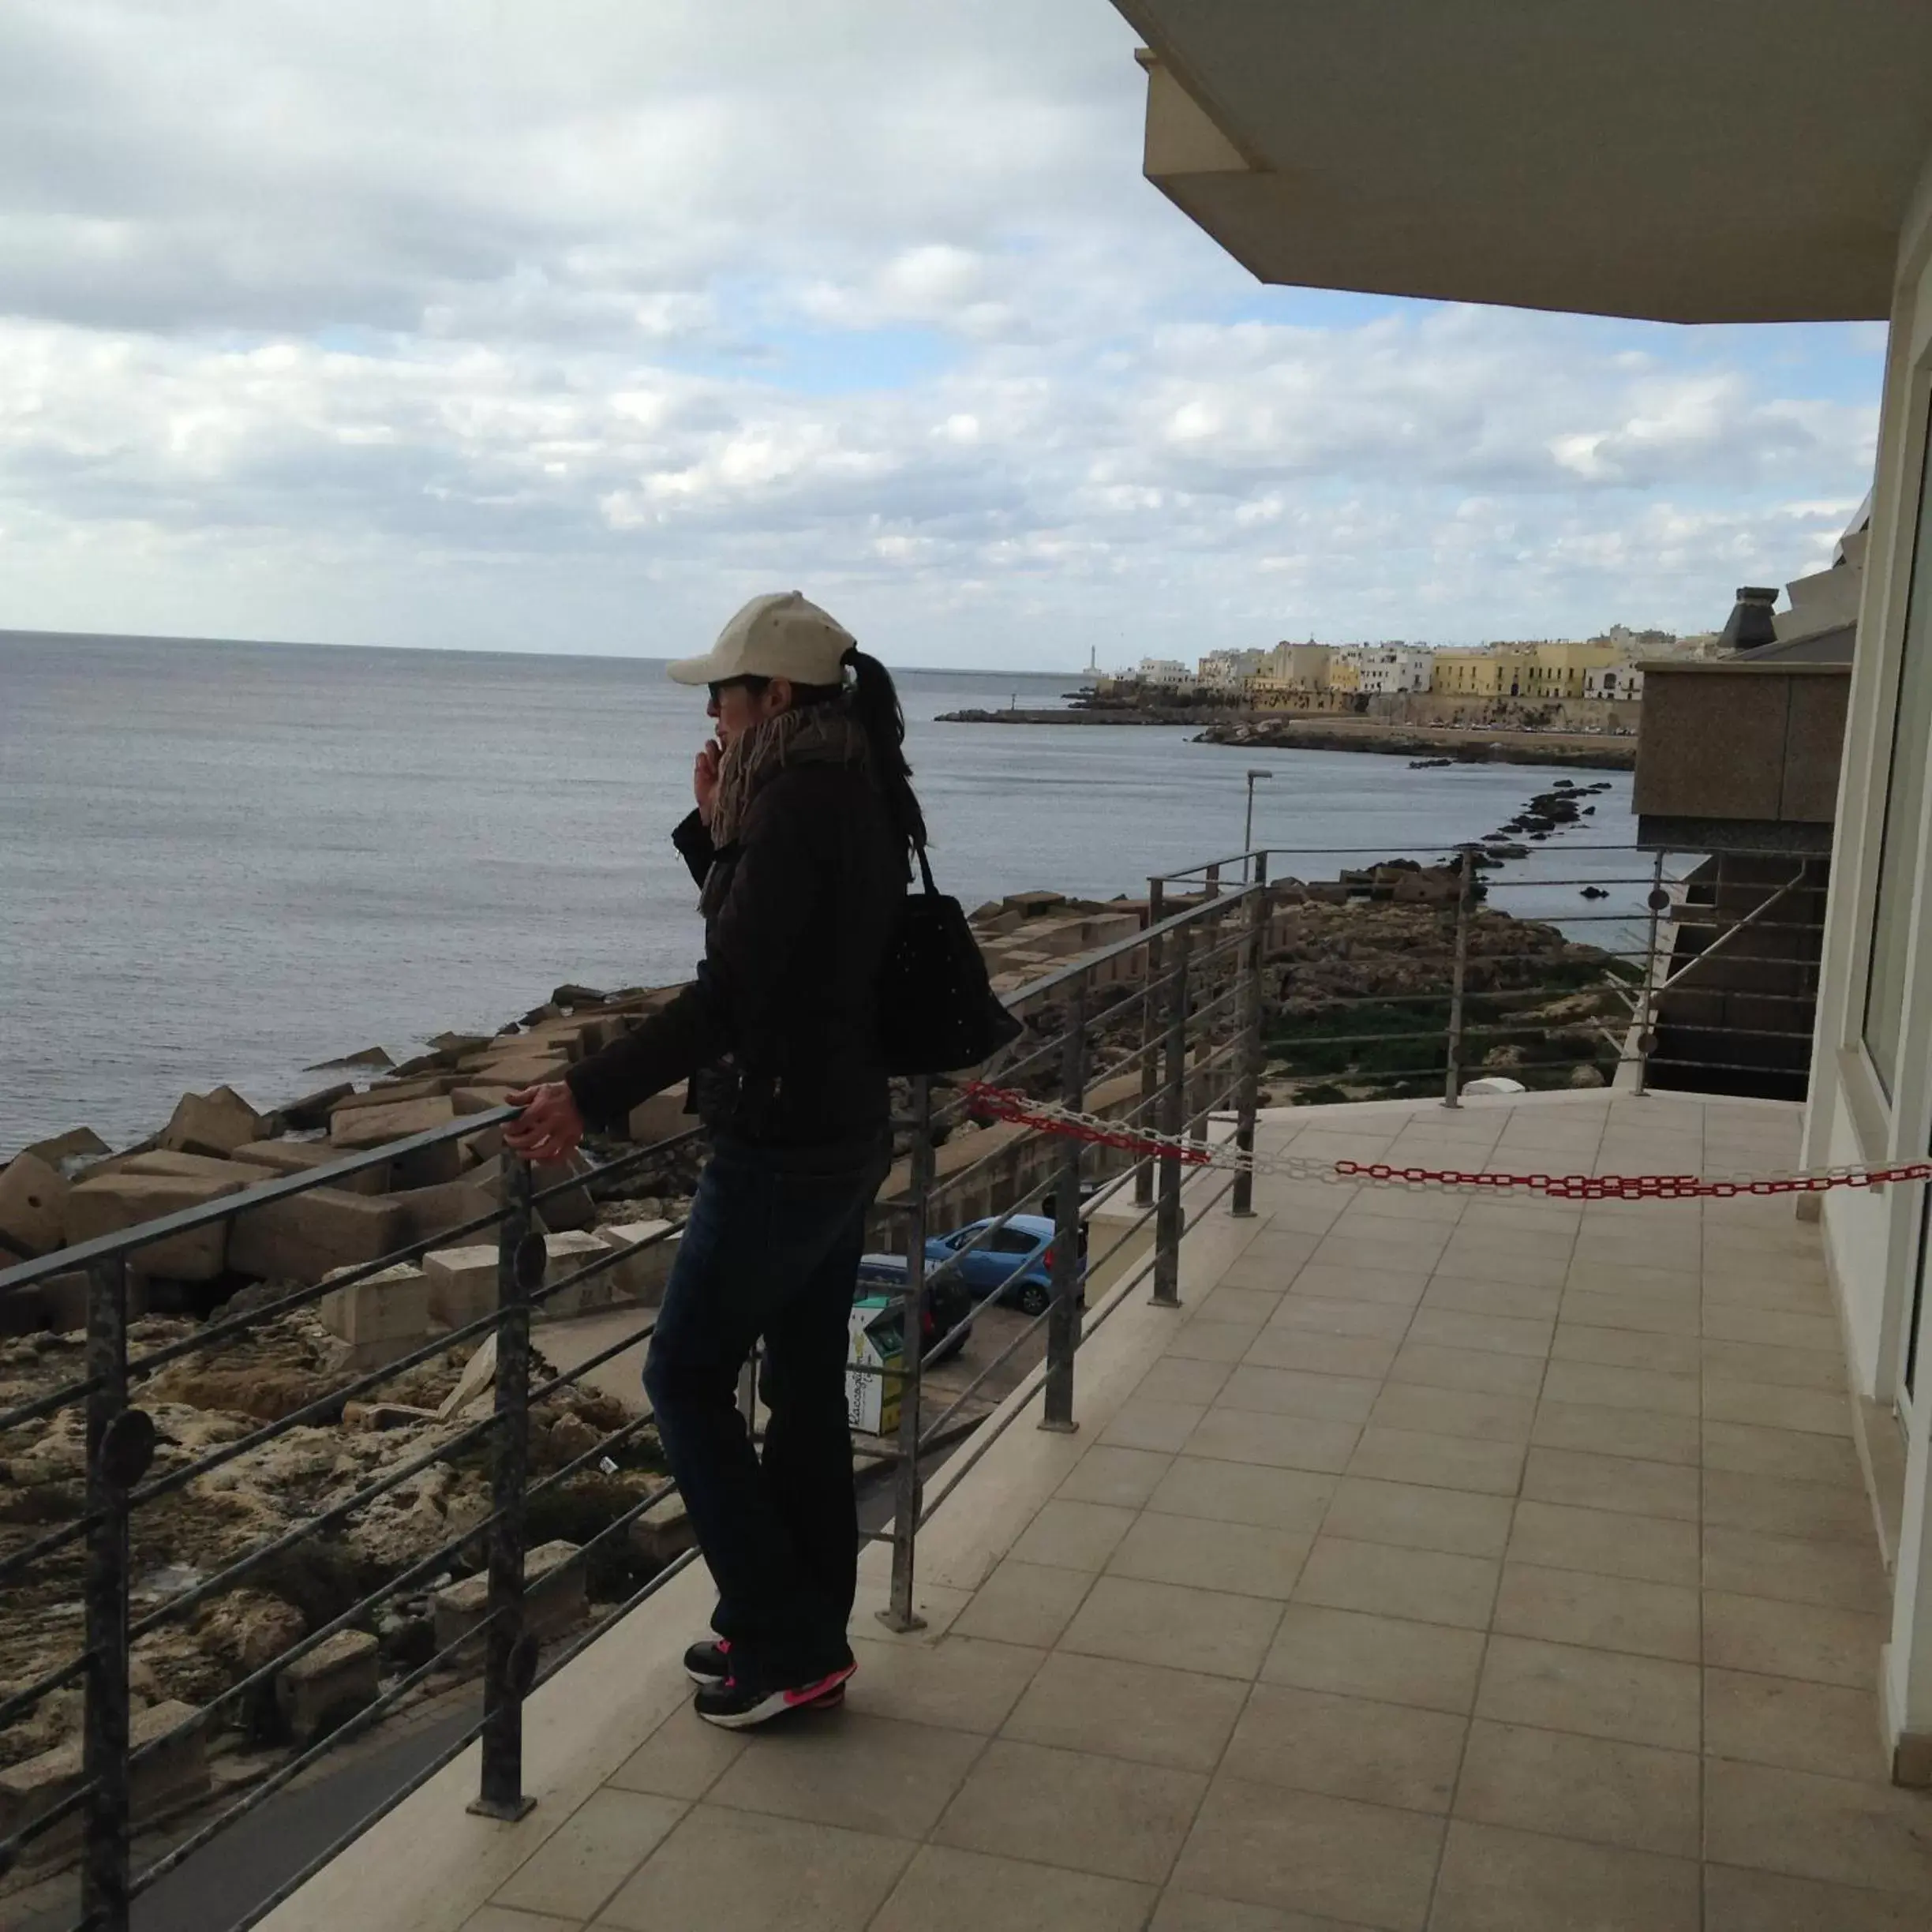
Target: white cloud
568 327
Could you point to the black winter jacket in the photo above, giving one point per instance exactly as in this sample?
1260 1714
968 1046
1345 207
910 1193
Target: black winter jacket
780 1027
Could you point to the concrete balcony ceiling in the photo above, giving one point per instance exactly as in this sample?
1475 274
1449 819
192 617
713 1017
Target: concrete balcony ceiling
1679 160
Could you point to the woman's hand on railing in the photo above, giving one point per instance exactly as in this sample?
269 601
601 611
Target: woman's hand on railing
550 1125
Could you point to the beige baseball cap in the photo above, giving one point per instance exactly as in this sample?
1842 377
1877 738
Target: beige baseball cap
781 634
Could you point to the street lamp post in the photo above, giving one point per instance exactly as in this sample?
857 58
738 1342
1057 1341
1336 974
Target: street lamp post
1248 828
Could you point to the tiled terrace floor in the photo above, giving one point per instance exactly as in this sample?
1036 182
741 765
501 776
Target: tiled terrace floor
1466 1564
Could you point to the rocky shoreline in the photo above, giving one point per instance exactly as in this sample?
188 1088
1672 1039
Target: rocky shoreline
1455 744
1356 972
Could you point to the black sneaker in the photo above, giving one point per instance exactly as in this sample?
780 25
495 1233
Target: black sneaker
738 1707
709 1663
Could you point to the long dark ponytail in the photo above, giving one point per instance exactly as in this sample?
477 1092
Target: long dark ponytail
874 701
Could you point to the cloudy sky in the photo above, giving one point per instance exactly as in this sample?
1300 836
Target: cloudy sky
567 325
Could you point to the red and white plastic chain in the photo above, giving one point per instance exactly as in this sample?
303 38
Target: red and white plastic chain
1008 1104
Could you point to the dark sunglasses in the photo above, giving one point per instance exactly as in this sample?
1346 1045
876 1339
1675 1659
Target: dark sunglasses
718 690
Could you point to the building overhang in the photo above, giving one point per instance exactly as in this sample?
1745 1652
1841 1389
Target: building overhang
1678 160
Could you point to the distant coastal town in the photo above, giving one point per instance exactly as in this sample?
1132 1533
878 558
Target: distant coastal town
1590 684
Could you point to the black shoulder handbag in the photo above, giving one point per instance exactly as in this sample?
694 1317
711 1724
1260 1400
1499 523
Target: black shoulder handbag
938 1012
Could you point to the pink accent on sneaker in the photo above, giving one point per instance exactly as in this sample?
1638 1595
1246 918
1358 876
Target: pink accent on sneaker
810 1693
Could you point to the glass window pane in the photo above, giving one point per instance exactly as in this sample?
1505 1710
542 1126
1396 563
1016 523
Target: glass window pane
1898 852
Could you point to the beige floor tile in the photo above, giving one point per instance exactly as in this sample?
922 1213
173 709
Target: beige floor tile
1162 1548
1279 1441
1782 1506
1755 1286
1648 1436
1431 1666
1816 1412
1300 1392
1377 1207
1438 1461
1347 1747
938 1603
1175 1378
961 1683
1507 1214
732 1871
1139 1622
1791 1454
1306 1851
1424 1587
1411 1253
1770 1327
1472 1371
945 1890
1073 1809
1123 1478
1524 1337
1243 1492
1351 1281
591 1854
1525 1260
1604 1386
1073 1536
1765 1363
1577 1787
1317 1353
501 1918
1225 1303
866 1774
1640 1314
1021 1603
1627 1348
1141 1711
1622 1484
1656 1282
1214 1341
1828 1728
1269 1275
1329 1315
1600 1693
1839 1829
1470 1294
1409 1514
1453 1412
1655 1549
1825 1644
1750 1901
683 1758
1599 1612
1841 1574
1497 1881
1144 1422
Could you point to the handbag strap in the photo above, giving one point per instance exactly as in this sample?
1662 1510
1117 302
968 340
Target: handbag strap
932 889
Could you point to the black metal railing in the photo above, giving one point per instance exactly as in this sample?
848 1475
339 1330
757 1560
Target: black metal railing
1175 1028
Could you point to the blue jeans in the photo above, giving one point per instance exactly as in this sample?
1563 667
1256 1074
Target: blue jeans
771 1249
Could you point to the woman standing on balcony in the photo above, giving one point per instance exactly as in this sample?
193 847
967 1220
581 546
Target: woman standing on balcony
805 822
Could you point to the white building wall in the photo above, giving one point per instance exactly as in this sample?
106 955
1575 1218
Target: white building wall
1871 1238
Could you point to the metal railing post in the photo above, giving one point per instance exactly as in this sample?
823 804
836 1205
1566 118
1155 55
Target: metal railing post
1646 1025
1153 1023
1063 1321
1465 896
908 1491
510 1656
1174 1120
1247 1104
117 1450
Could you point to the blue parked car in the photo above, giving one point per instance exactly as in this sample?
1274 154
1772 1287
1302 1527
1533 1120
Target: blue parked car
1025 1244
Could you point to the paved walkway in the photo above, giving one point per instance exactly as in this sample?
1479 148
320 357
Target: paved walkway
1467 1564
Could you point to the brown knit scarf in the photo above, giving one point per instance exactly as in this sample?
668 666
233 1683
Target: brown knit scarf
818 734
